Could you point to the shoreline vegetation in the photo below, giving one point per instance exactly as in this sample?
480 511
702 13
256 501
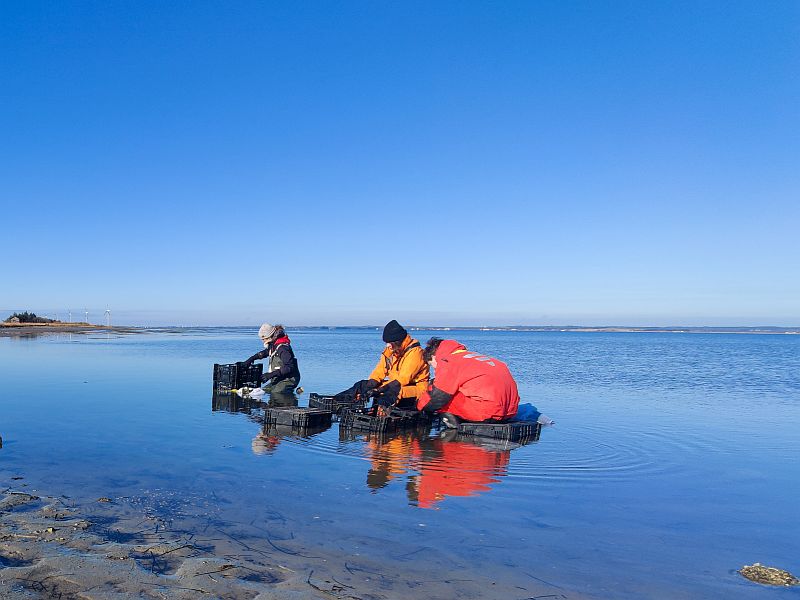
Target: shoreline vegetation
58 327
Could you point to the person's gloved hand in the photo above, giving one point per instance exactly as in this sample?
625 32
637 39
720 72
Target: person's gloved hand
384 400
388 395
266 377
365 388
246 363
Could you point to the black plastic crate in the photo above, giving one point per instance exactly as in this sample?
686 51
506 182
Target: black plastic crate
512 431
236 375
366 422
412 418
333 404
297 417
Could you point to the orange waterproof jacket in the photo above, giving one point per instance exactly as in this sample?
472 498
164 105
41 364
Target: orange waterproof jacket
409 368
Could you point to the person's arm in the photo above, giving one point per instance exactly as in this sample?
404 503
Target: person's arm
433 399
255 357
381 370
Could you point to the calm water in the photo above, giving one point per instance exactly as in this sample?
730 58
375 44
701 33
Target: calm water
672 463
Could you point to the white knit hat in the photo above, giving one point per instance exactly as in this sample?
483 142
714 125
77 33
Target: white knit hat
266 331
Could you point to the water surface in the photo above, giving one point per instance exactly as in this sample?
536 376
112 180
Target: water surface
672 463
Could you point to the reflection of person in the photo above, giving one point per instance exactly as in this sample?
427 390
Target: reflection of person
401 373
390 459
471 386
443 467
264 444
455 468
283 374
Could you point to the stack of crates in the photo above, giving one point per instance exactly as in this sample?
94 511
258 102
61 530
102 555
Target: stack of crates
513 431
235 376
336 405
298 417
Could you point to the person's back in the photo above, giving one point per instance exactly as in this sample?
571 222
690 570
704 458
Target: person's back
472 386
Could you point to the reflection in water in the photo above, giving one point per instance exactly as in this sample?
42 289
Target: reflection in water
438 467
233 403
434 467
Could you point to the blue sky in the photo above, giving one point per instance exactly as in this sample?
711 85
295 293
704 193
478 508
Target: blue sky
440 163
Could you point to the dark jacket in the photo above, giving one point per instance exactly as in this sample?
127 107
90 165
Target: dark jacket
282 361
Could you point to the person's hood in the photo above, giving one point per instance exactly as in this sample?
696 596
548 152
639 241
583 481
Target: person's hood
281 340
446 348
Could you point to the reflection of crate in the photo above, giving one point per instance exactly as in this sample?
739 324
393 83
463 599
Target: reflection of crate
513 431
297 417
331 403
289 431
232 403
378 437
232 377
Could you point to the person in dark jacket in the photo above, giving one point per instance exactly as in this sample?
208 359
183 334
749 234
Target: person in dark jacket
282 373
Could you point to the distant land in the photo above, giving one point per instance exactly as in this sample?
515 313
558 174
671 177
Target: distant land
602 329
766 329
18 329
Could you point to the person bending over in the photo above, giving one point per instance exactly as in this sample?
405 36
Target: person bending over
468 385
401 374
283 374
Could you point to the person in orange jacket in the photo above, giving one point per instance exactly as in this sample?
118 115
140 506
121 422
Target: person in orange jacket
468 386
401 374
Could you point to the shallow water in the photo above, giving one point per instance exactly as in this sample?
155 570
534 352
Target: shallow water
672 463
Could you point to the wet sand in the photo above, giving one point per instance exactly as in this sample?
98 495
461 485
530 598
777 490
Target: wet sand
51 547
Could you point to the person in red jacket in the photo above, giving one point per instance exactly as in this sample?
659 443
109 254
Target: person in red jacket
469 385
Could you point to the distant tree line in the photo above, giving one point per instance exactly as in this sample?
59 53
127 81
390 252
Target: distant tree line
26 317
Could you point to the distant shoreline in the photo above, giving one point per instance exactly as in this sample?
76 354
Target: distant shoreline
32 329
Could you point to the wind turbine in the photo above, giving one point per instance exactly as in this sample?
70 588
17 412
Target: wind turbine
70 316
86 315
108 317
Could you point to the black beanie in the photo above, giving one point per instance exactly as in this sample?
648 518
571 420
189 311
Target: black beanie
394 332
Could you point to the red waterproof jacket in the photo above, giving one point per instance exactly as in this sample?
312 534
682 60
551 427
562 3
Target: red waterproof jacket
482 387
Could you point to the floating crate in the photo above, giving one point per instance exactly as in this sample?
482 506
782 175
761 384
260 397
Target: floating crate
297 417
398 419
236 375
412 418
333 404
365 422
513 431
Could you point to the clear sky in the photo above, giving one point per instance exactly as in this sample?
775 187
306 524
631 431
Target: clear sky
435 162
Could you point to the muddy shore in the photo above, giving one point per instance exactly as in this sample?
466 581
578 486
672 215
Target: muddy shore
54 547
